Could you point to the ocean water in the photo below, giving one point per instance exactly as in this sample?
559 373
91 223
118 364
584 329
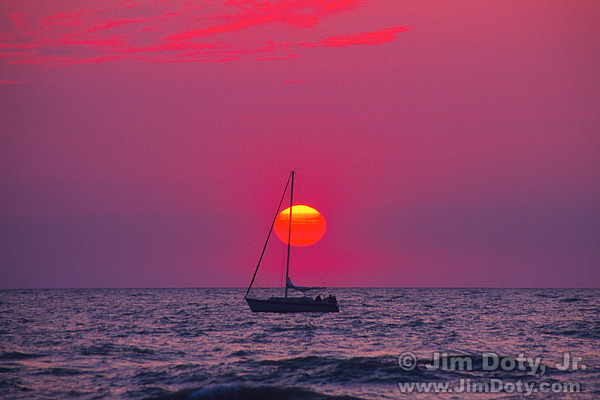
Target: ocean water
206 344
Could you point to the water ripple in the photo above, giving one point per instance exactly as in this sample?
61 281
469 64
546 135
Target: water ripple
206 344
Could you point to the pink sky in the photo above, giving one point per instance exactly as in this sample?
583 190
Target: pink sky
146 144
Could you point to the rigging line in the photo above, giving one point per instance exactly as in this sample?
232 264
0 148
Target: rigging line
268 236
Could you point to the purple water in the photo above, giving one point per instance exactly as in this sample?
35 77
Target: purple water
206 344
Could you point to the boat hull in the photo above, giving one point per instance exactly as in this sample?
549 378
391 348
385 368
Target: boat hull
290 305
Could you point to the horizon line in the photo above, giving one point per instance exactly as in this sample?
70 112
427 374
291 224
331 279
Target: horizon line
279 287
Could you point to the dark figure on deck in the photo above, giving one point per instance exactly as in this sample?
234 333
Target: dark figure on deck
318 299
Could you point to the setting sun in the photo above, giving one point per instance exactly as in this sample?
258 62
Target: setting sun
308 225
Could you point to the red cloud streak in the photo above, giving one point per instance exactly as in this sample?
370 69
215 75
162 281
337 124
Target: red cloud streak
174 32
379 36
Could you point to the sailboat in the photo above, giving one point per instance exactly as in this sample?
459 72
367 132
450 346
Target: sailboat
289 304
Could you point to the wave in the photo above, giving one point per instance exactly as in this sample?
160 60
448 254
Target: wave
235 392
570 299
106 349
546 295
579 329
324 370
60 371
18 355
315 370
305 327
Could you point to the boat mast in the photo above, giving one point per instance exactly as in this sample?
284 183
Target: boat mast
287 270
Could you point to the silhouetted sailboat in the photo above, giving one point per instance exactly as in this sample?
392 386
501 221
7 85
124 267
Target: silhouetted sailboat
289 304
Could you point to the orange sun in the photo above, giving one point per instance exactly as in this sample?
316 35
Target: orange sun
308 225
